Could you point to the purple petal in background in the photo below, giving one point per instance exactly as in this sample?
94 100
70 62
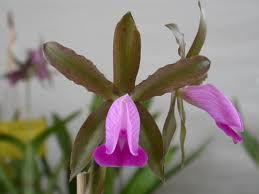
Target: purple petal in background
38 61
220 108
122 136
17 75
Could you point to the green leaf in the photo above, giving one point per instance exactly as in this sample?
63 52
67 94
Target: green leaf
179 36
200 36
251 145
89 136
71 117
178 167
136 182
147 104
42 137
140 182
65 145
183 128
170 124
170 155
6 182
126 53
63 137
12 140
151 140
95 103
29 170
78 69
54 178
172 77
111 175
97 177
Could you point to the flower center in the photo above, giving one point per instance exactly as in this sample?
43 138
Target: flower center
122 138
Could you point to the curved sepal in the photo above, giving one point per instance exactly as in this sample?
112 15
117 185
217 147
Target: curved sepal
171 77
78 69
170 125
151 140
200 36
179 37
88 138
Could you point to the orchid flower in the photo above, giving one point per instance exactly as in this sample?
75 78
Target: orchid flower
35 64
219 107
127 121
122 136
206 97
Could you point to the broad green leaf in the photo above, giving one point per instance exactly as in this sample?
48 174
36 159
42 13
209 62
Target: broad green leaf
200 36
126 53
97 178
179 36
179 167
78 69
143 178
183 128
6 182
172 77
151 140
88 138
170 124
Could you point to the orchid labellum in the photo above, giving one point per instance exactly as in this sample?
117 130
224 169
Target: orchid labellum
122 136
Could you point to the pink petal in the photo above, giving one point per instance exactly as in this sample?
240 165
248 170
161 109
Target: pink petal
220 108
37 56
121 157
230 132
122 114
37 59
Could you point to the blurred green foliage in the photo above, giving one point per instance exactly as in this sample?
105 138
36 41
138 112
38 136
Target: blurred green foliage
33 174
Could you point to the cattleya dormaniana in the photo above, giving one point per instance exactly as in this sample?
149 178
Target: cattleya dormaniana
206 97
121 132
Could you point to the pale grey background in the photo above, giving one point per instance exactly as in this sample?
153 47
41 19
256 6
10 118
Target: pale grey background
88 26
